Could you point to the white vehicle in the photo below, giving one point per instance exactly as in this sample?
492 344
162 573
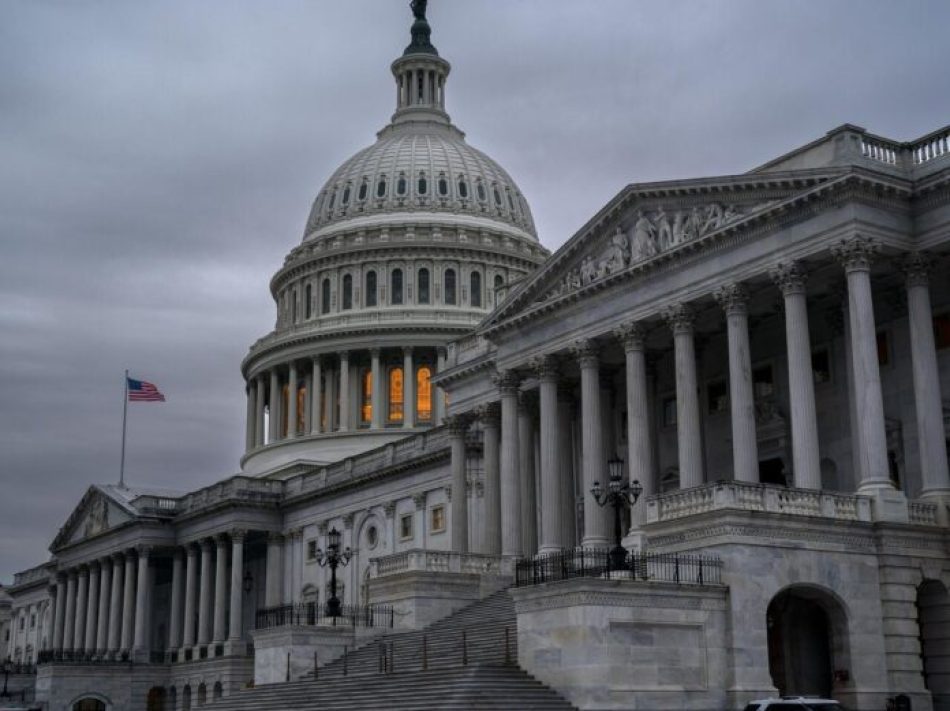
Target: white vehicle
795 703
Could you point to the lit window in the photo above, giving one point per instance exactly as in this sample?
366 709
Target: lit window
424 394
438 519
395 394
396 287
371 288
476 284
301 409
423 285
347 292
366 411
405 527
325 297
450 286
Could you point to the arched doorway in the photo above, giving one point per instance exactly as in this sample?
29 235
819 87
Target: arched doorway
89 705
807 637
933 616
156 699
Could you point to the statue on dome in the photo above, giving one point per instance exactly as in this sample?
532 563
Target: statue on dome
419 8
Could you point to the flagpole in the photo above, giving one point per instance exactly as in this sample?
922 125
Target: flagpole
125 412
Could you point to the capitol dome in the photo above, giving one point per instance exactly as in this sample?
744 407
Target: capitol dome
408 246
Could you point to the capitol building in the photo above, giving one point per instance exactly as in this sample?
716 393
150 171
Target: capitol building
744 378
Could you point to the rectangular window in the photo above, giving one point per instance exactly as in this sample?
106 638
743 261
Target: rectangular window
32 621
669 411
717 394
405 527
942 331
438 519
312 549
763 383
821 366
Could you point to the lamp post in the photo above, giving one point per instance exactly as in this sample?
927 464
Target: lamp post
6 673
334 558
619 494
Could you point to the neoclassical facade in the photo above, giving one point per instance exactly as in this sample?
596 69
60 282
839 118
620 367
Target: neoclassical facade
767 354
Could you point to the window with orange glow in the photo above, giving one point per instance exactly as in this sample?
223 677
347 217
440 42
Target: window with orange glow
366 410
302 409
423 394
395 394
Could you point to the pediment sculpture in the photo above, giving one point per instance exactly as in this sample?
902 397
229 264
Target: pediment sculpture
98 518
652 233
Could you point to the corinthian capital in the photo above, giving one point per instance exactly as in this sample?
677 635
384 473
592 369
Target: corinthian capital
632 335
545 367
586 352
456 424
680 318
916 267
856 253
489 414
506 381
790 277
733 298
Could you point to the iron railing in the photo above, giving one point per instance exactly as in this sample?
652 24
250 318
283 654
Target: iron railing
312 613
679 568
82 656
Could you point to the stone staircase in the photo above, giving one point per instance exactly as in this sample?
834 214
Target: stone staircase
466 661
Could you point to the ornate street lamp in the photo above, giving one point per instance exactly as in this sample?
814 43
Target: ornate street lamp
334 558
619 494
6 674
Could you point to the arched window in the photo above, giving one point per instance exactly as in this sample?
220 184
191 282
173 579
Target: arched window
463 188
476 287
396 287
423 286
401 185
424 394
511 204
480 188
423 185
325 297
293 306
497 195
381 186
450 286
308 295
346 194
347 291
499 281
361 195
332 201
443 185
366 408
395 394
371 288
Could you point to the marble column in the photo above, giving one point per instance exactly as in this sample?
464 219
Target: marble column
594 463
259 435
292 386
927 401
316 398
235 630
60 611
489 415
457 426
92 608
175 617
70 611
330 376
344 391
115 602
565 428
128 602
408 388
551 505
855 255
439 393
274 575
251 420
791 278
79 623
734 299
688 435
529 502
376 390
511 534
204 593
191 586
142 607
640 467
220 589
273 422
105 589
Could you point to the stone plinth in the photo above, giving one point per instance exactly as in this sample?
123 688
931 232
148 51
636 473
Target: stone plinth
619 644
274 647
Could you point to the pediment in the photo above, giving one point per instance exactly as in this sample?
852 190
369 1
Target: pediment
96 513
650 223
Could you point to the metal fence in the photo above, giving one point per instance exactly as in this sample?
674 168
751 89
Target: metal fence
683 569
81 656
312 613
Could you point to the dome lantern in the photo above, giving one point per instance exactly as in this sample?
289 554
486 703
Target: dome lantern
420 75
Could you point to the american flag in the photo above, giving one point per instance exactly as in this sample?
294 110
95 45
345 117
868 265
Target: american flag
141 391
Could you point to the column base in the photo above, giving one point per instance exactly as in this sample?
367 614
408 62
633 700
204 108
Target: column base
887 503
549 550
635 541
595 543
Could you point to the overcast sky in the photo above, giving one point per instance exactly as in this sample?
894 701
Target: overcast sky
158 160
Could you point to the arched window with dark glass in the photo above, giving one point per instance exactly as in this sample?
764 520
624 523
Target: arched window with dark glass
499 281
325 297
450 287
381 187
308 305
463 188
347 291
424 394
475 282
346 194
332 201
361 195
423 286
395 394
396 286
401 185
497 195
480 188
423 186
443 185
371 288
